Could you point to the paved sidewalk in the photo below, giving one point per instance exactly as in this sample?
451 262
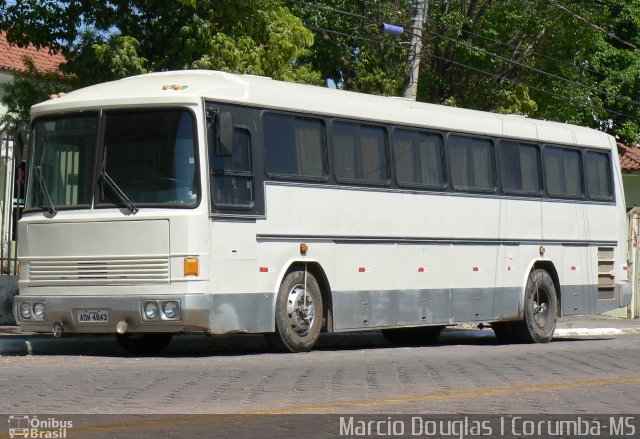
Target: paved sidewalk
598 321
576 326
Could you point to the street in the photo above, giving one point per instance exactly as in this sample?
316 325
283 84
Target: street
348 373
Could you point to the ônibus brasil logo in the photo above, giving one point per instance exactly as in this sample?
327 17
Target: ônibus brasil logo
25 426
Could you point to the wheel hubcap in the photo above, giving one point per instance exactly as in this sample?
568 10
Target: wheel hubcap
301 310
541 309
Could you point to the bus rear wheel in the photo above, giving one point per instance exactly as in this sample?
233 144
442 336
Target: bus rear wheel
146 344
298 313
540 310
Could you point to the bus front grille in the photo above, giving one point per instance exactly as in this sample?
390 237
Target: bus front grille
99 271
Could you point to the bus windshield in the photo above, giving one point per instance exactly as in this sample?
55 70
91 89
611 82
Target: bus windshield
147 158
63 156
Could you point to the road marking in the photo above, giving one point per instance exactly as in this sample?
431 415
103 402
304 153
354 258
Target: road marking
455 394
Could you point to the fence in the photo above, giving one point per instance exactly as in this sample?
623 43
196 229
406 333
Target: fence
11 204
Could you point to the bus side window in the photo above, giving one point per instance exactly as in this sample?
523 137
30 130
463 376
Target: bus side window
598 170
519 168
360 153
563 172
471 163
232 176
294 146
418 158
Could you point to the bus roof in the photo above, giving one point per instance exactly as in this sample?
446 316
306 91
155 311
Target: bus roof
189 87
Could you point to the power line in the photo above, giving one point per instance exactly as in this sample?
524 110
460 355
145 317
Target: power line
551 58
344 34
537 70
593 25
381 6
337 11
506 59
532 87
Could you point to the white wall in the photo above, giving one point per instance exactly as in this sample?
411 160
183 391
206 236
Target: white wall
4 78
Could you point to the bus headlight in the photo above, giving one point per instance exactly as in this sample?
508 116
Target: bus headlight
151 310
25 311
170 310
39 311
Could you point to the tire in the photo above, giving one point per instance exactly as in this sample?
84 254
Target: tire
412 336
298 313
540 310
147 344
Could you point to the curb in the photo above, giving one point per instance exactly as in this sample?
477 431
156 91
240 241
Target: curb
586 332
15 347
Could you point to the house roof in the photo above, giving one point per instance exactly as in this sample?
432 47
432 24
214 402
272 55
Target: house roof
629 157
12 57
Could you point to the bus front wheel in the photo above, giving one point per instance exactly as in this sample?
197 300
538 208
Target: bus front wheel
298 313
540 310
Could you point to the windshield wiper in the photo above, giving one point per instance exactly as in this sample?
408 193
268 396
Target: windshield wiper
118 192
45 193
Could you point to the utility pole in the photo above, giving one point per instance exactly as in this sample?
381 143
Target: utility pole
411 89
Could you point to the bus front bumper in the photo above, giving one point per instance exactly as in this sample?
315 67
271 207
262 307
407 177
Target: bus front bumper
101 314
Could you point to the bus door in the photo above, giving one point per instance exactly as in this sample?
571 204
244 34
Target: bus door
236 203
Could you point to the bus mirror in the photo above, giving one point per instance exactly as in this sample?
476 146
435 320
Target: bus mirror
18 147
224 148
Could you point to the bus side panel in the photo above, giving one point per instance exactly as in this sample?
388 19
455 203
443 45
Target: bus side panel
509 288
575 280
600 228
422 284
473 272
363 290
520 224
566 223
236 306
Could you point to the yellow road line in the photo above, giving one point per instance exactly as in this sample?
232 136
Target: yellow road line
324 408
457 394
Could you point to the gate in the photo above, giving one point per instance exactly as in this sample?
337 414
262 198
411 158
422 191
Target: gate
634 258
11 204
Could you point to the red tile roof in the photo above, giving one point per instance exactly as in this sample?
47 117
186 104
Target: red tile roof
12 58
629 157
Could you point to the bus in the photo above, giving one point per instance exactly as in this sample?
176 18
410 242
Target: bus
209 202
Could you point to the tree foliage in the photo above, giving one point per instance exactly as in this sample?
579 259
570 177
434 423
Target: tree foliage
31 87
104 40
350 49
564 60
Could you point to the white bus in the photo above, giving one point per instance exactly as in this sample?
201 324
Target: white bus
202 201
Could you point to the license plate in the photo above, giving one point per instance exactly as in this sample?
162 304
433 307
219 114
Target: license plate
93 316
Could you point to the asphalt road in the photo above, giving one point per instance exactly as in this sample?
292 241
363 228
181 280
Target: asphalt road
239 376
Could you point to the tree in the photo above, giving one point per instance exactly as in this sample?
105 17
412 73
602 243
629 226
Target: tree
109 40
565 61
562 60
350 49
